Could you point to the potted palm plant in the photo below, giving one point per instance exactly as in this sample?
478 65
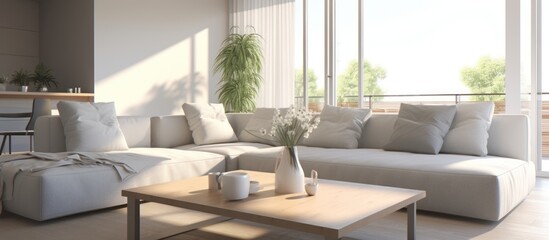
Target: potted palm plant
43 78
22 79
240 64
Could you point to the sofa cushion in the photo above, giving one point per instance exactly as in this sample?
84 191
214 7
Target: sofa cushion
208 123
338 128
231 151
170 131
261 119
480 187
421 128
139 138
469 131
91 127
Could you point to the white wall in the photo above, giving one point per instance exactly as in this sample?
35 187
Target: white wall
152 56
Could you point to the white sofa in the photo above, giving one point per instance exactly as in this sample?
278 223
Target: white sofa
64 191
478 187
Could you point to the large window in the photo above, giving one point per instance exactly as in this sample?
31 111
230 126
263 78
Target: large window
313 29
427 47
430 51
346 52
544 121
419 47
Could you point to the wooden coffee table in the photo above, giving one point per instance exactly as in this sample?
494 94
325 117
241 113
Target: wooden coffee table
337 209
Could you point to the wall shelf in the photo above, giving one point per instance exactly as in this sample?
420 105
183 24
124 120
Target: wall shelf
82 97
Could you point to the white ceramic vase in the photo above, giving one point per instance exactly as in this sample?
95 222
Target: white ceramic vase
289 176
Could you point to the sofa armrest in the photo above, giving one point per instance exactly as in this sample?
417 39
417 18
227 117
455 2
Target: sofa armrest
509 136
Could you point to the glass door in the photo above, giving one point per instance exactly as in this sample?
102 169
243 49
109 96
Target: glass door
543 72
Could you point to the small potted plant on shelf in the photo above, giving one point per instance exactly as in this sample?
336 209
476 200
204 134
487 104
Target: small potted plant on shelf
3 81
22 79
43 78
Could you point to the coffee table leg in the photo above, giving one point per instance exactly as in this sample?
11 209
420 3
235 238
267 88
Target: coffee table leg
133 219
411 209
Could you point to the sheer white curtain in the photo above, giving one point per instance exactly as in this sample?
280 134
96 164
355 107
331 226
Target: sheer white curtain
274 21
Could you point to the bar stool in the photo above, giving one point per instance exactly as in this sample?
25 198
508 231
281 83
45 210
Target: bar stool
40 107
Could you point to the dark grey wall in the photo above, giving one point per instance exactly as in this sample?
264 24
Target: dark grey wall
19 36
66 42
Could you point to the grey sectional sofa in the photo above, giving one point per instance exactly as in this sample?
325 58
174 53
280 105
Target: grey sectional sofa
478 187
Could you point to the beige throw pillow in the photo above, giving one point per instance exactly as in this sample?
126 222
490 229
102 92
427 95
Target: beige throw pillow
338 128
208 123
91 127
421 128
468 134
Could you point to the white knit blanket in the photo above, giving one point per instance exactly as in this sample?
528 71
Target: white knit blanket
124 163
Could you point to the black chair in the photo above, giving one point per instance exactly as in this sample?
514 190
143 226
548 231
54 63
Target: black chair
40 107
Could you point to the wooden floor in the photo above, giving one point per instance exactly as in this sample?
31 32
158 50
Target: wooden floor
530 220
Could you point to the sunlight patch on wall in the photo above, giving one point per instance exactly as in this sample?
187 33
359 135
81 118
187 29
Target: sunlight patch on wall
161 83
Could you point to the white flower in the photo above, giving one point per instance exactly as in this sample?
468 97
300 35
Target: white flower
288 129
288 121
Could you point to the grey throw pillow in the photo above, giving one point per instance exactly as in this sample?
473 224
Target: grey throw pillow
421 128
338 128
468 134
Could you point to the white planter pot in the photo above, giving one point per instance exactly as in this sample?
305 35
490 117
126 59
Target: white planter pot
289 176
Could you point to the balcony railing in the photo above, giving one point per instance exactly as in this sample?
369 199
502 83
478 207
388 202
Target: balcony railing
391 102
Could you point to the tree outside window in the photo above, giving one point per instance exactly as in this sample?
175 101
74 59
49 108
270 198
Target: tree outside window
488 76
347 85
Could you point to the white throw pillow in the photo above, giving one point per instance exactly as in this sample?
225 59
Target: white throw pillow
208 123
421 128
468 134
261 119
91 127
338 128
